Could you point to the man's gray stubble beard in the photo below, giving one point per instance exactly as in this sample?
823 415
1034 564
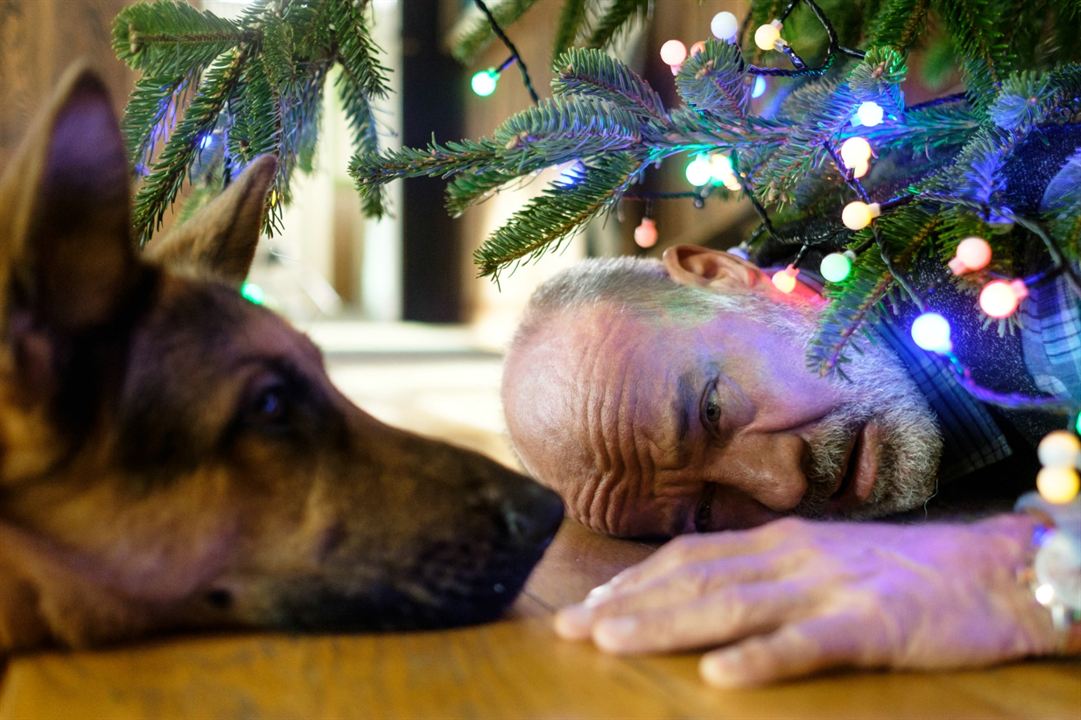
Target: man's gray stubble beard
878 388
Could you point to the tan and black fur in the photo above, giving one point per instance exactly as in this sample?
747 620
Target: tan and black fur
173 457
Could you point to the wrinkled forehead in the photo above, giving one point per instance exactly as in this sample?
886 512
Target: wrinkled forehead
587 402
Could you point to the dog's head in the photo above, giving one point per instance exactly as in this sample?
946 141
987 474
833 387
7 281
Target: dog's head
172 456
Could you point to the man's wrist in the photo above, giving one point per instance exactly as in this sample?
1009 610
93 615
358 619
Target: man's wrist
1053 572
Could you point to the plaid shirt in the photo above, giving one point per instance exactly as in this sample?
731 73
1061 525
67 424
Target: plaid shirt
1050 349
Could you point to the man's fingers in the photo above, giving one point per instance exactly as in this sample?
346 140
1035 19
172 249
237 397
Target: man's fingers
687 549
792 651
729 614
680 586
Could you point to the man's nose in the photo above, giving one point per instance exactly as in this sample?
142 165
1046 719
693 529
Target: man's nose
767 467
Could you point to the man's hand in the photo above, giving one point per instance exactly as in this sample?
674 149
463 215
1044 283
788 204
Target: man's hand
795 597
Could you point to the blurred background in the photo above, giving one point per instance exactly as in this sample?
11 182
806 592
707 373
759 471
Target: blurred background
410 331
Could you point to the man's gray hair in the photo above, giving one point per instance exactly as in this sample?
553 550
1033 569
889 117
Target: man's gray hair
640 286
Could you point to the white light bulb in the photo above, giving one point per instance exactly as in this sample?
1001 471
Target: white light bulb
673 52
858 215
724 26
869 114
766 36
855 151
1059 449
698 171
931 332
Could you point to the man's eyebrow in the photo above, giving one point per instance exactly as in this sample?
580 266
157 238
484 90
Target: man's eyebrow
686 405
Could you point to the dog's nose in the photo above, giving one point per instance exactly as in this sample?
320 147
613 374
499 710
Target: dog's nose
532 514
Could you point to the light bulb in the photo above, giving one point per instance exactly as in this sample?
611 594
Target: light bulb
766 36
698 47
998 299
673 52
724 26
858 215
931 332
785 280
855 151
484 82
861 169
645 235
699 172
571 174
253 293
759 87
1058 485
1059 449
868 114
720 167
836 266
731 182
1045 593
974 253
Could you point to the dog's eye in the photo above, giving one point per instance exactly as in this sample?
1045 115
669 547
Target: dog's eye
269 405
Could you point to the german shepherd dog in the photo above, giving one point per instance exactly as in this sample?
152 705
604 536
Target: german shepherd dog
173 457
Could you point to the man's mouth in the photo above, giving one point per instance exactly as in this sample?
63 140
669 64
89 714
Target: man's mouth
860 470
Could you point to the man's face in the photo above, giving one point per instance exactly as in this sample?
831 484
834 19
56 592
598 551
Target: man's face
648 426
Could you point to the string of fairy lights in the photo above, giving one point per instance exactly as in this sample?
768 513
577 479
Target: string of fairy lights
999 297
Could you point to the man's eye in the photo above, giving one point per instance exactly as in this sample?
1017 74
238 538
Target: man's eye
711 411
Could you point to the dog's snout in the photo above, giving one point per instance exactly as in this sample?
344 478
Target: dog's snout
531 513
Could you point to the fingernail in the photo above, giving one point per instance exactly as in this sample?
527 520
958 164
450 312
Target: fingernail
612 634
574 622
716 670
598 595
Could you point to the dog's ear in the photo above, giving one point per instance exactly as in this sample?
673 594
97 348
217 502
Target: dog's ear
65 250
220 240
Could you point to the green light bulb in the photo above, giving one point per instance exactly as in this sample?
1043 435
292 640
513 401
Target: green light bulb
836 267
484 82
253 293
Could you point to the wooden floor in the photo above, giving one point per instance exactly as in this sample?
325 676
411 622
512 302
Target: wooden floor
513 668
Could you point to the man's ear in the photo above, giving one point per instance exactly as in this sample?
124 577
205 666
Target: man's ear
65 251
220 240
714 269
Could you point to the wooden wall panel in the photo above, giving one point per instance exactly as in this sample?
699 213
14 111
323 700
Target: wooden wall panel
39 39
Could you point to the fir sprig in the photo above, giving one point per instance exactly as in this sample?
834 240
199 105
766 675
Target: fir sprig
167 175
255 83
554 216
473 33
714 83
592 73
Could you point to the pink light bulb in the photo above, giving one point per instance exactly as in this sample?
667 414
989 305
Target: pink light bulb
998 299
645 235
974 252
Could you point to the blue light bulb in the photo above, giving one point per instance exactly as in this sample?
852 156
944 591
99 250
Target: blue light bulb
759 87
931 332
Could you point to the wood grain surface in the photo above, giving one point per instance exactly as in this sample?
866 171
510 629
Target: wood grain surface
513 668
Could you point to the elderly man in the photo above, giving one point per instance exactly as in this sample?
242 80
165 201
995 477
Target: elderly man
672 398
